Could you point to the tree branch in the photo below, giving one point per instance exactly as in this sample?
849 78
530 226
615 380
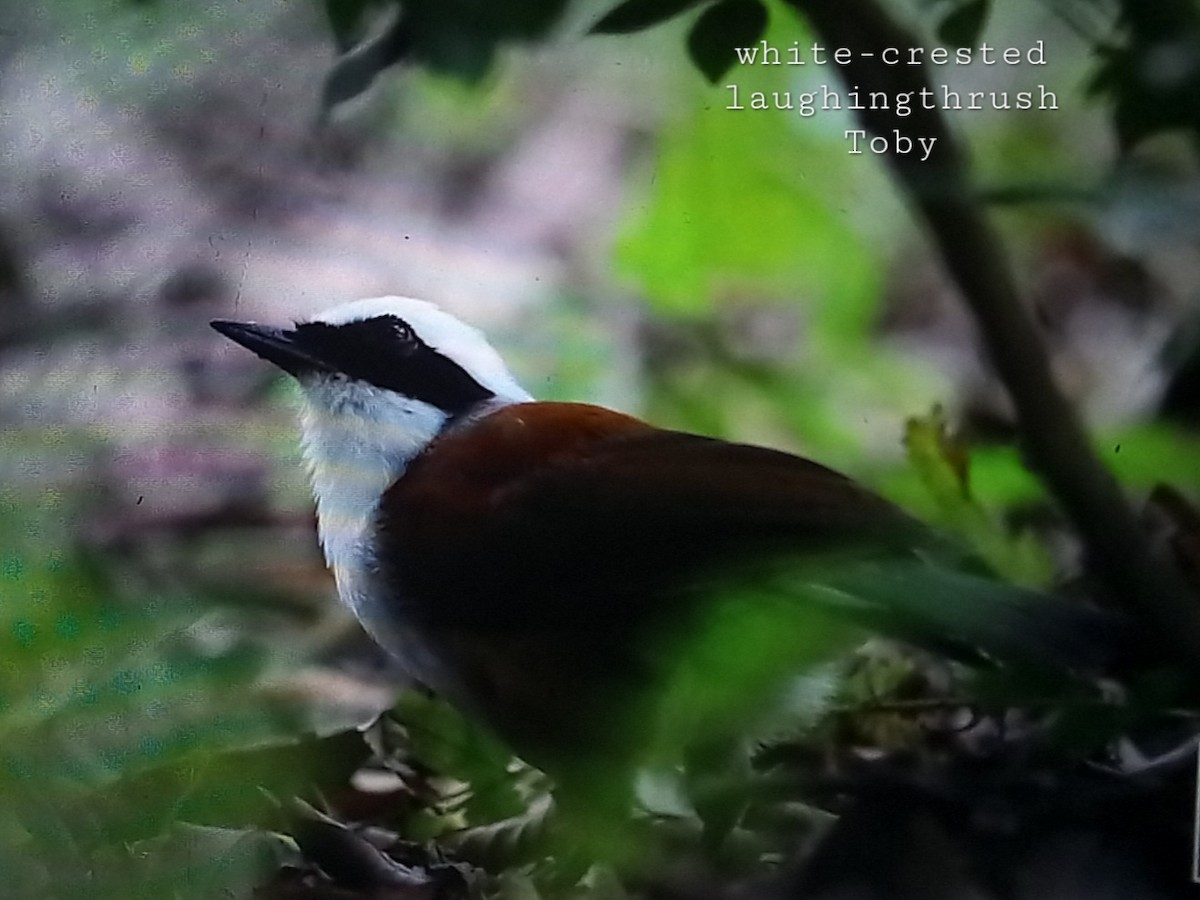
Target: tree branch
1055 442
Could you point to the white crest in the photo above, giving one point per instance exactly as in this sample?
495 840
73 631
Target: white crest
453 338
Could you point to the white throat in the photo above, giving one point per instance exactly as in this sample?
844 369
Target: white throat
357 440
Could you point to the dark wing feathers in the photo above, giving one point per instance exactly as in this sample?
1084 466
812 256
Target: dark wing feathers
571 514
579 518
731 493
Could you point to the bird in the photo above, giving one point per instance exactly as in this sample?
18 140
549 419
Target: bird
545 566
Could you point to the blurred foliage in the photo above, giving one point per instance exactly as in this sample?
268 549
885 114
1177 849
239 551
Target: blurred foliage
755 642
735 210
129 724
634 15
1148 67
964 23
722 28
452 36
943 464
450 745
1150 72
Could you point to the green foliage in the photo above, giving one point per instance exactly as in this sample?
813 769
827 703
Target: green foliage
195 861
721 29
999 480
636 15
738 669
440 737
1140 455
1150 453
943 464
348 20
963 25
114 717
737 207
455 37
1152 76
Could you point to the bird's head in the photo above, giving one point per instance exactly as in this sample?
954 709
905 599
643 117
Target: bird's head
380 378
383 355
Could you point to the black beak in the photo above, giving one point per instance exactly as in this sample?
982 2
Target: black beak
276 345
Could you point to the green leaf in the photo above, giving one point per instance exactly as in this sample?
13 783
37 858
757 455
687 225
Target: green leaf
741 205
737 670
347 20
962 27
1147 96
507 843
454 37
194 861
116 714
445 741
720 31
943 464
636 15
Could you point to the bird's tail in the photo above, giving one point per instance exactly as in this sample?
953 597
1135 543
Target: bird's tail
971 614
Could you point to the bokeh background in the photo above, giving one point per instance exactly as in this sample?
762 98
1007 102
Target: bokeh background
590 203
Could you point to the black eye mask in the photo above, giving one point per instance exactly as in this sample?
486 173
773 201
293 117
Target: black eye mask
386 352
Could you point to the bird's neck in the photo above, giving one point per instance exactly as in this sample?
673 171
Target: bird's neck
358 440
355 450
